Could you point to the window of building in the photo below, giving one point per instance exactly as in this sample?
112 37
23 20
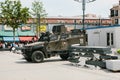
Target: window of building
116 21
116 12
112 13
110 39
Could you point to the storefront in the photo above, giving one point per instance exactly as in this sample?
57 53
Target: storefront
10 39
20 36
27 36
7 36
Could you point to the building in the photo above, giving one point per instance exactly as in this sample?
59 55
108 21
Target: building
115 14
26 31
91 20
76 21
22 34
108 36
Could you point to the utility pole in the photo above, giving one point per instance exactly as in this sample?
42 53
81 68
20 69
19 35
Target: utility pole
83 19
38 25
75 23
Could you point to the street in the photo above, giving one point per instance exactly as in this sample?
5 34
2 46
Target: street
14 67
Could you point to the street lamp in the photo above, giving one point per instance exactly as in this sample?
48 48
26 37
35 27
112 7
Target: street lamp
83 19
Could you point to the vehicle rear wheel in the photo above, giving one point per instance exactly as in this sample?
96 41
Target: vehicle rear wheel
64 56
37 56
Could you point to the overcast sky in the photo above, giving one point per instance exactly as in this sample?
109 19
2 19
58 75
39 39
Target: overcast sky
73 8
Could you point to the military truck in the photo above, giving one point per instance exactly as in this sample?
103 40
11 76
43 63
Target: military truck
52 44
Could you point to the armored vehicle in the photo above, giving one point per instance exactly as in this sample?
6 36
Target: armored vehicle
52 44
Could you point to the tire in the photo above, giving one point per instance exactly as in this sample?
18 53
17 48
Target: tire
64 56
37 57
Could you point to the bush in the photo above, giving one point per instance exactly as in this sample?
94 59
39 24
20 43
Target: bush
118 51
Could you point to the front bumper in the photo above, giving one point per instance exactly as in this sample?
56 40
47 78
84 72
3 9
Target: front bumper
26 52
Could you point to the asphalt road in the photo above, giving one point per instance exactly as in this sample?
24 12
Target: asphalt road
14 67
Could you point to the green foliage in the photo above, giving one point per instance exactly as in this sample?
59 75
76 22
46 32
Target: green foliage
37 9
118 51
38 12
12 13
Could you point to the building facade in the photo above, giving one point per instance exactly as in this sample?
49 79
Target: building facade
115 14
108 36
91 20
26 31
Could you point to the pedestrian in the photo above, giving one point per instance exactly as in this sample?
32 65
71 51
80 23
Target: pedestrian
3 45
32 39
12 46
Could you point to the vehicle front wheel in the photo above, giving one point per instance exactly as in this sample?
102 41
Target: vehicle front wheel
64 56
37 56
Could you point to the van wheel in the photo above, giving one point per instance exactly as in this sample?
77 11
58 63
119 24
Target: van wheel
64 56
37 56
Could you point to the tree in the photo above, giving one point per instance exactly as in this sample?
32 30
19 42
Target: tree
12 14
39 12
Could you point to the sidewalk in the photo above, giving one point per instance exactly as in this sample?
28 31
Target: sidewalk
4 49
13 67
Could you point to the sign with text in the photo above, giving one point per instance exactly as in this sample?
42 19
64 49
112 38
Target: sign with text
6 27
42 28
25 28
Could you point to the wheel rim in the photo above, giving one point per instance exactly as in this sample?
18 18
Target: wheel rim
38 57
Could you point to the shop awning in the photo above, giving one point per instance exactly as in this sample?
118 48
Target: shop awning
28 38
26 33
7 33
10 39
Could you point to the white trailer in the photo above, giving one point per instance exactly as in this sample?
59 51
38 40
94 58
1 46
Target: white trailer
108 36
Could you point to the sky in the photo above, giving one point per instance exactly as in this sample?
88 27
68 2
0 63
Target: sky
72 8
